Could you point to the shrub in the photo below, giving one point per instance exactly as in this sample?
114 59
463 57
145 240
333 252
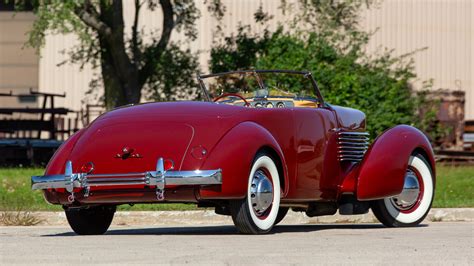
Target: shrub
378 85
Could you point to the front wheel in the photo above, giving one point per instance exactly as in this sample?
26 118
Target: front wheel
257 213
410 207
90 221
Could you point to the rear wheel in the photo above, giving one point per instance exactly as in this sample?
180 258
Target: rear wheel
90 221
257 213
410 207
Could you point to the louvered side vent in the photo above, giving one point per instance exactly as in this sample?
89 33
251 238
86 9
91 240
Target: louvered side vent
352 146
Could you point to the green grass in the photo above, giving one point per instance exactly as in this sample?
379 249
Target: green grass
454 188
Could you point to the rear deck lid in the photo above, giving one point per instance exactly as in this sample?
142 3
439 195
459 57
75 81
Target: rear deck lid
131 147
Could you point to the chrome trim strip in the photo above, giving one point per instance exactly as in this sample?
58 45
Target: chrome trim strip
355 148
349 153
354 133
354 139
100 180
49 181
352 156
159 178
352 146
99 176
350 159
347 143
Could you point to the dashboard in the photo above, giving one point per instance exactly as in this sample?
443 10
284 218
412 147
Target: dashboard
268 102
276 103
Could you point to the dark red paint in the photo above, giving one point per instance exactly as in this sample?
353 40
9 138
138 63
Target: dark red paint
383 169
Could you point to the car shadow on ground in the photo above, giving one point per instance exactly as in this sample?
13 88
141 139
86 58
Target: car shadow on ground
227 229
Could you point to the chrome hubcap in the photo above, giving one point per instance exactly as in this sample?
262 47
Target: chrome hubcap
410 192
261 192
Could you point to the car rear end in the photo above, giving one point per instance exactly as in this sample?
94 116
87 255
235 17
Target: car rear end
147 153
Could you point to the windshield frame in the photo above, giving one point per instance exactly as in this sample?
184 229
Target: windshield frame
305 74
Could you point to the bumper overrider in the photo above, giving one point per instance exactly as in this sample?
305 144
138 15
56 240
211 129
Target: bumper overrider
158 179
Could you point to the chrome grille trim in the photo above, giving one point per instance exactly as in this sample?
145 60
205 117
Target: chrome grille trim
352 146
355 139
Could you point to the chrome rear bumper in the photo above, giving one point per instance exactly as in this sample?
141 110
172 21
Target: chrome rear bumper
159 179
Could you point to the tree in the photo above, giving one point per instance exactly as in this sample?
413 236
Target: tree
330 44
127 63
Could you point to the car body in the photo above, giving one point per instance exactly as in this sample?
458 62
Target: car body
251 163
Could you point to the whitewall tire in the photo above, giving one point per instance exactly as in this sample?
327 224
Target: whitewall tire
257 213
411 206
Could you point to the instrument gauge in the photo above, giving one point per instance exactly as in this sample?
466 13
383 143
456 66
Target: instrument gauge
280 105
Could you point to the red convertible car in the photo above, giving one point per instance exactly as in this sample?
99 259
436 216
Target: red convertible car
268 142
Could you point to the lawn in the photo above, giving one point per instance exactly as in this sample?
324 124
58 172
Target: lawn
454 188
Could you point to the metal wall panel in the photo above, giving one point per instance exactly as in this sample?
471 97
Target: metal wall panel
18 64
57 75
444 27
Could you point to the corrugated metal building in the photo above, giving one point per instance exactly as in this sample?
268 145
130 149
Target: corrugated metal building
18 67
445 27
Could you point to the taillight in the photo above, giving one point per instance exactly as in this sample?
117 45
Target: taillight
87 168
168 164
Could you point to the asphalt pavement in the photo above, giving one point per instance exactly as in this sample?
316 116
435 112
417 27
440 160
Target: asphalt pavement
430 243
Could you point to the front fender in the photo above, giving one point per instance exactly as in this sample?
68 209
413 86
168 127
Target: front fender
234 154
382 171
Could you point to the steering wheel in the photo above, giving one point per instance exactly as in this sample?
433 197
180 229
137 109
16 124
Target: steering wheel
232 94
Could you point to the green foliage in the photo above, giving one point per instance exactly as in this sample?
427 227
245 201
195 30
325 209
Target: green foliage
57 17
239 51
128 65
172 79
334 51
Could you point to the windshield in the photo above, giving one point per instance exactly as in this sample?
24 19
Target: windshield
256 86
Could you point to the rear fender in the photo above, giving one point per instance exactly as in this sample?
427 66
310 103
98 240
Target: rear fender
57 163
234 154
382 171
